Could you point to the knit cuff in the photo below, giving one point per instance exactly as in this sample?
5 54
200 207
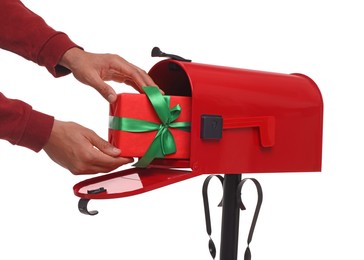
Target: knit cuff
37 131
52 52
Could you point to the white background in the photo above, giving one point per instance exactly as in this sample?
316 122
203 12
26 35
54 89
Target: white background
304 215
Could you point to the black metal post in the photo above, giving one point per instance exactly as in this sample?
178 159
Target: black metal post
230 218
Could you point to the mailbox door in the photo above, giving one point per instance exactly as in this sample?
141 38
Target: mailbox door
271 122
128 182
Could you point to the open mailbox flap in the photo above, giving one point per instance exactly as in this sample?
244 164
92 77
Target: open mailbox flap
129 182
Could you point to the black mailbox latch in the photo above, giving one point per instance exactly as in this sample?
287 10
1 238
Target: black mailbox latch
156 52
211 127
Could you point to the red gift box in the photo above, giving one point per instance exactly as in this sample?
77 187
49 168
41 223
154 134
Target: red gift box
138 106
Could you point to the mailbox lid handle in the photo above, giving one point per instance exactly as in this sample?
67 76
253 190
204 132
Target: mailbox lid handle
156 52
266 125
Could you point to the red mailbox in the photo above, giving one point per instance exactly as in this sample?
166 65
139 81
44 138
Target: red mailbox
242 121
265 122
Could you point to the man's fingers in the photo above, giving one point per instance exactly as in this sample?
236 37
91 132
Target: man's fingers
105 90
134 76
96 161
103 165
104 146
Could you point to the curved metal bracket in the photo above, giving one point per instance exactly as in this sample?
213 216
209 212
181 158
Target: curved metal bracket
82 206
82 203
247 255
211 245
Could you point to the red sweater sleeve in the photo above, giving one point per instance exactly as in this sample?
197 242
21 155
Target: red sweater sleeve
21 125
27 34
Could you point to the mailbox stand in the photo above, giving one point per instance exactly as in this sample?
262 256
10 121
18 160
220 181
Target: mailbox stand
231 203
230 218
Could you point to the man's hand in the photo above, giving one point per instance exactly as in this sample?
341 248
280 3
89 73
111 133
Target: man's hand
82 151
94 69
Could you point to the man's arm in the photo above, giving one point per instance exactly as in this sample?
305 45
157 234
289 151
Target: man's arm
23 126
27 34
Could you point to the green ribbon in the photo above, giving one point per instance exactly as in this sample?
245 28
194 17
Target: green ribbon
163 142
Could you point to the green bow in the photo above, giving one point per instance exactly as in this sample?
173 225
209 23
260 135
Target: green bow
163 142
